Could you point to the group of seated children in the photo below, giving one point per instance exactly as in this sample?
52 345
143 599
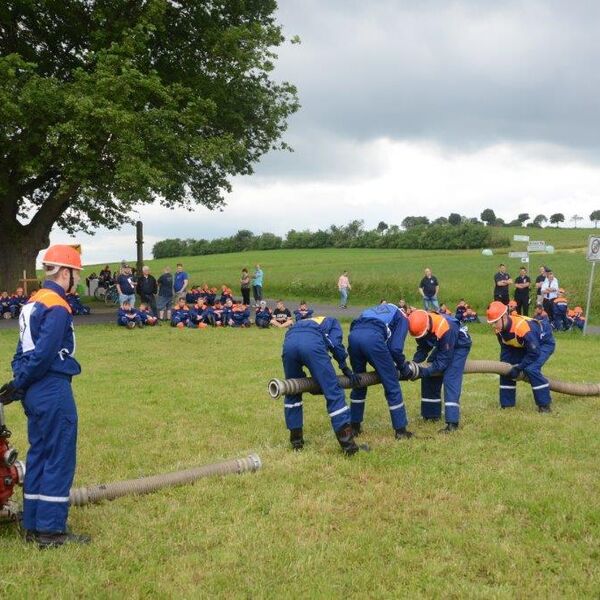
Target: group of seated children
210 296
563 318
464 313
10 306
130 317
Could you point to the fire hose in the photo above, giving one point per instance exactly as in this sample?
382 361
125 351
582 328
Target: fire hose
144 485
281 387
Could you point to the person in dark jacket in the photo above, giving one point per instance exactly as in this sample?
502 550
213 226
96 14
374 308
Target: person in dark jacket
147 287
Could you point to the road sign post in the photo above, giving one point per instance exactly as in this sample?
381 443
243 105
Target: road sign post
593 255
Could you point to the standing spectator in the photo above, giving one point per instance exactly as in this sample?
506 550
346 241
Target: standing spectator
549 293
245 286
344 288
105 278
257 284
165 294
539 280
125 286
147 288
429 289
181 282
522 285
502 280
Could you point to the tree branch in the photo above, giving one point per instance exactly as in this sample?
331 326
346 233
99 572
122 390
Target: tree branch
54 206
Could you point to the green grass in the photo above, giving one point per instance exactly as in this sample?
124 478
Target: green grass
392 274
507 507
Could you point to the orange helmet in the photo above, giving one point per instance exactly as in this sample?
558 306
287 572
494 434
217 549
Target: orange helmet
496 310
418 323
61 255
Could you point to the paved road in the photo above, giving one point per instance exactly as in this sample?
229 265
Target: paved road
103 314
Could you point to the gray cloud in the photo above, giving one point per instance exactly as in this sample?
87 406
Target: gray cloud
464 73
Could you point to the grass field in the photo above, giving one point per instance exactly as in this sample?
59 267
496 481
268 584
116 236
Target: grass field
391 274
507 507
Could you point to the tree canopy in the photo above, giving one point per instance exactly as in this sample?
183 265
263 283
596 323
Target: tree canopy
109 104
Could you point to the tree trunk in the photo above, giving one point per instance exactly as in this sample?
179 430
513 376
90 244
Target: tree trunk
18 252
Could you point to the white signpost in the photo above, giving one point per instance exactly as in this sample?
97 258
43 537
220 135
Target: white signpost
593 255
536 246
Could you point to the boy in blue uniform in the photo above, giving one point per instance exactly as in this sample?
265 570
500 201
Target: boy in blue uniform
77 306
17 301
445 344
526 344
127 316
180 315
377 337
241 316
303 312
43 367
263 315
5 305
145 315
308 344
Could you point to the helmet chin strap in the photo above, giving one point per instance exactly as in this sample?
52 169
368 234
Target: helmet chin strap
71 281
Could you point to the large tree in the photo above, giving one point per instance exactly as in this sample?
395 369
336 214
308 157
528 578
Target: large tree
106 105
488 216
595 216
557 218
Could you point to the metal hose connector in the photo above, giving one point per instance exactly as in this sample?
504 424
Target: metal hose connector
110 491
290 387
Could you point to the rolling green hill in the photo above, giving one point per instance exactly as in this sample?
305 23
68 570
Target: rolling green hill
392 274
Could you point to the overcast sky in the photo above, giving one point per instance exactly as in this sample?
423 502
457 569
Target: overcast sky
420 107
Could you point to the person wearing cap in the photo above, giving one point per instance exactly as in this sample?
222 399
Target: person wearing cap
539 280
308 343
526 344
43 367
445 345
377 337
550 289
263 315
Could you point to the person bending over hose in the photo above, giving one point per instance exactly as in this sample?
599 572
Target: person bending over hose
308 344
377 337
526 344
445 345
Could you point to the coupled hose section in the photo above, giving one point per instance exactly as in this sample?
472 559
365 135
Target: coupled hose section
109 491
282 387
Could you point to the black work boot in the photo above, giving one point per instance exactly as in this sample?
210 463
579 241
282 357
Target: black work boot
297 439
345 437
403 434
356 428
53 540
450 427
432 419
544 409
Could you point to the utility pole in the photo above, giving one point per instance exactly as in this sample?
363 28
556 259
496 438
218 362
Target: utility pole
139 240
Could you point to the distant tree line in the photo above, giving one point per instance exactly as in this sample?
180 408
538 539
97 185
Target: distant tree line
452 233
489 218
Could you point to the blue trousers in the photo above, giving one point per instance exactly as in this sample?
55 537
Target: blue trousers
50 466
451 379
367 344
539 384
307 348
561 321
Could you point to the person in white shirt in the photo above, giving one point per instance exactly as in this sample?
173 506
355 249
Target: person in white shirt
549 292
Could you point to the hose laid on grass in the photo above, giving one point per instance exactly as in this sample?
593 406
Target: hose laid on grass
110 491
281 387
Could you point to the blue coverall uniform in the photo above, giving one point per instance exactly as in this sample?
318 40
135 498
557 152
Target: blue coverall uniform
43 366
263 318
527 344
123 319
308 343
180 315
446 347
561 308
377 337
303 314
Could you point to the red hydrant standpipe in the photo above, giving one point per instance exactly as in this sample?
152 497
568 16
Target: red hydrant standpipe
12 472
281 387
145 485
